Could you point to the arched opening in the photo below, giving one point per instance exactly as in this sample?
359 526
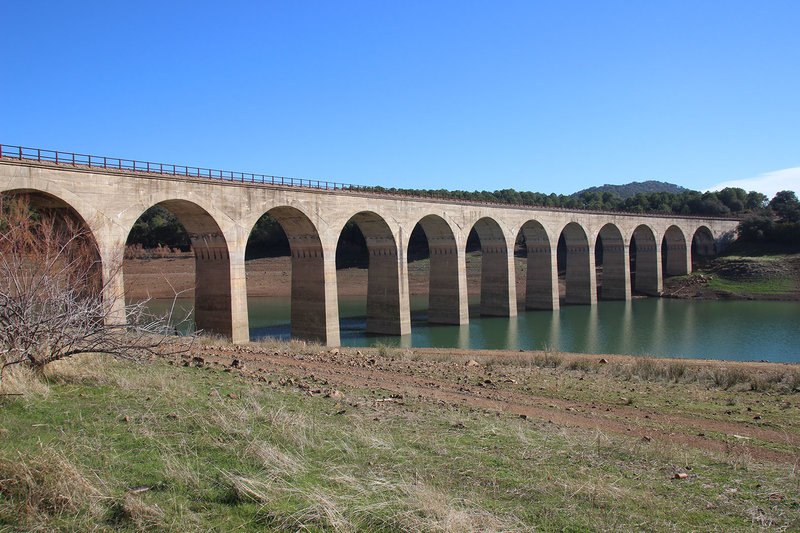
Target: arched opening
438 277
541 278
45 240
497 292
674 256
645 265
611 265
704 247
285 260
387 302
176 248
575 267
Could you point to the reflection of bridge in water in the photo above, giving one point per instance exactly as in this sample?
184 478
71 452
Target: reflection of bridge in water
219 210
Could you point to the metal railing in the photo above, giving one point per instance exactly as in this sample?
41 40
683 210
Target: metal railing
168 169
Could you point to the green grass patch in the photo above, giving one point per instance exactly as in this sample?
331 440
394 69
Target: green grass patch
770 286
108 446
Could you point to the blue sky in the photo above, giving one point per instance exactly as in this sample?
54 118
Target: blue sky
549 97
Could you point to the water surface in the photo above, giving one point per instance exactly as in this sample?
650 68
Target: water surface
735 330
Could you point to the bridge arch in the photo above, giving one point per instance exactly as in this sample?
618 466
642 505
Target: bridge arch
447 285
541 277
498 292
578 269
103 261
612 253
645 261
674 253
387 291
213 303
312 308
703 245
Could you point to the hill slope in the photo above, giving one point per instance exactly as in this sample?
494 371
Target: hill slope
636 187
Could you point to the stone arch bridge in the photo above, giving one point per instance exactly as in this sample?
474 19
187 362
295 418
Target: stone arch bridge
220 209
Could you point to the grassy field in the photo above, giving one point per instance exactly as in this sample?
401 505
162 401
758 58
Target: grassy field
105 446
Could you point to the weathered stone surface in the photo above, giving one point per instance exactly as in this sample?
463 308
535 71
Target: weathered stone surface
219 215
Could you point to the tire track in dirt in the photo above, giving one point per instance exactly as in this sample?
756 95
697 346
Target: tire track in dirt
621 420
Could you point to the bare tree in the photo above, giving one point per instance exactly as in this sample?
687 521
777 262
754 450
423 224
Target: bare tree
52 295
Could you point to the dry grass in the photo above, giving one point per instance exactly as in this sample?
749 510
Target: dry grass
47 485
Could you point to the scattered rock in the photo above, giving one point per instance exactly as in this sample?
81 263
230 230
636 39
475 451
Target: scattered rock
238 364
172 416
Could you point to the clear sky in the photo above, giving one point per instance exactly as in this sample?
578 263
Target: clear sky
542 96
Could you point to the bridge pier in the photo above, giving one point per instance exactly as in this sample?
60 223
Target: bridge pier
388 310
541 280
581 276
648 278
314 310
616 271
111 257
447 294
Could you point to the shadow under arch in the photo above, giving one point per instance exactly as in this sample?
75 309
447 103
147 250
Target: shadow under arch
645 263
387 302
541 278
447 297
310 302
498 294
579 271
704 246
212 288
675 259
612 280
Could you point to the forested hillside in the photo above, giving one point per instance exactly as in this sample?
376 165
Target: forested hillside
636 187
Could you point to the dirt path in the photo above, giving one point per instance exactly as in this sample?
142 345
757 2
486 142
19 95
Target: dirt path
461 385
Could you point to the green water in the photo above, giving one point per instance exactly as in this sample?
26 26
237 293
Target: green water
736 330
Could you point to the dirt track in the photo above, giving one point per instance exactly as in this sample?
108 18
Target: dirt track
429 378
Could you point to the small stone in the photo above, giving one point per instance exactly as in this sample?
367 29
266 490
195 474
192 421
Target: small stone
472 363
233 395
524 417
172 415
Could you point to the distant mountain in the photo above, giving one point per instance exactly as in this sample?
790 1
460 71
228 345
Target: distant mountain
636 187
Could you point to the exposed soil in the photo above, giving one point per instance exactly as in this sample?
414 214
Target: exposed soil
739 269
427 376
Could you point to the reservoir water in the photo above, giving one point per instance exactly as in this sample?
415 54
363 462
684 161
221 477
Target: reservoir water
734 330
